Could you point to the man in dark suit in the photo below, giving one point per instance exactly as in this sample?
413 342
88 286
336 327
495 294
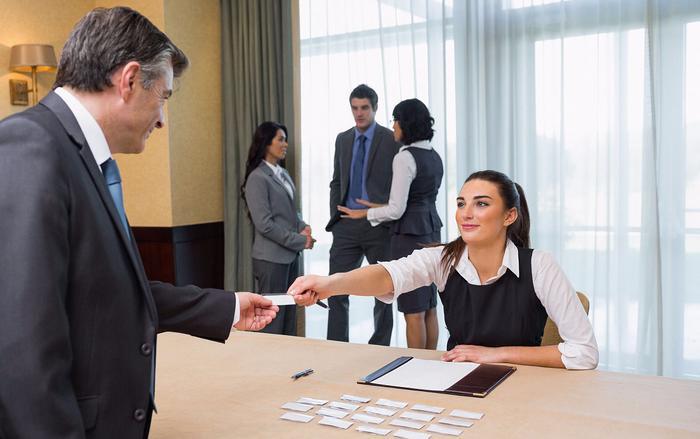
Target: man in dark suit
78 318
361 171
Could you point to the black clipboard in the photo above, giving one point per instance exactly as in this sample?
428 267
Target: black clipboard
478 383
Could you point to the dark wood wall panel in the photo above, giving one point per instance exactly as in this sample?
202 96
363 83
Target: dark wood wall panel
183 255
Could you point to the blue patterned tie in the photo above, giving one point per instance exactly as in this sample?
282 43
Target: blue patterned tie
358 165
114 183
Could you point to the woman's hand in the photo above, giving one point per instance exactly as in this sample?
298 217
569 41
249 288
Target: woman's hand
307 290
368 203
475 354
306 231
352 213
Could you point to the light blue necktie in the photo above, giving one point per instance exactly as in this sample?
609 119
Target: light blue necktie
114 183
358 165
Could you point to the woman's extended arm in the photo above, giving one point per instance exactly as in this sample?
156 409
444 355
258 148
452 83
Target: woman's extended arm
373 280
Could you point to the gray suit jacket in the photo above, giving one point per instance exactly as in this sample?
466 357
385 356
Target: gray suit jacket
275 219
378 183
78 318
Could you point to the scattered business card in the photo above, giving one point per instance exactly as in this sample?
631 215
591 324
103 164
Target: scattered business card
344 406
297 407
373 430
457 422
407 424
380 411
417 416
405 434
367 418
312 401
296 417
332 413
444 430
466 415
333 422
354 398
427 408
390 403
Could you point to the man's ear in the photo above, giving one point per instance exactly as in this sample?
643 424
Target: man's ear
125 79
511 216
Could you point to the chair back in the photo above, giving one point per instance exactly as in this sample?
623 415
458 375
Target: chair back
551 332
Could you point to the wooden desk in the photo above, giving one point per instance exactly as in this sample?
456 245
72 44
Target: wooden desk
210 390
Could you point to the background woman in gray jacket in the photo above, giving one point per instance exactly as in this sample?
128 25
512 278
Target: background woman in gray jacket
280 233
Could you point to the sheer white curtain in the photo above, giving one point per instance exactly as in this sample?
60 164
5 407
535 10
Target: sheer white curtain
592 105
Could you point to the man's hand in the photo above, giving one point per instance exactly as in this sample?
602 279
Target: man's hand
256 312
475 354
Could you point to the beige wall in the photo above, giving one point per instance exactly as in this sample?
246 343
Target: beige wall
178 179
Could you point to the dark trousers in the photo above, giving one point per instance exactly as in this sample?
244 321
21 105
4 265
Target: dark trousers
273 278
353 240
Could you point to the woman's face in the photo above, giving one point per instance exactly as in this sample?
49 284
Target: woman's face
277 150
398 134
482 217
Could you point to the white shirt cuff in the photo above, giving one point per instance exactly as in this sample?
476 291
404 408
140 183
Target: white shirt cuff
237 311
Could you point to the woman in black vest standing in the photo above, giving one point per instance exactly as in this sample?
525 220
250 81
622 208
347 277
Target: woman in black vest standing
497 292
417 173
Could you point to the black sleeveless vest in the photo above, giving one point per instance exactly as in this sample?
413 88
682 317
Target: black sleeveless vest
421 217
504 313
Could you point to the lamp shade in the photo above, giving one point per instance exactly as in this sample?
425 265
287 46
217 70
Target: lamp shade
25 56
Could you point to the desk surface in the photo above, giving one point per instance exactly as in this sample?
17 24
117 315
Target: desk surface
210 390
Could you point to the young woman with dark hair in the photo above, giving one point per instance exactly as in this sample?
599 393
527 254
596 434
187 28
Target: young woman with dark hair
496 291
417 173
280 234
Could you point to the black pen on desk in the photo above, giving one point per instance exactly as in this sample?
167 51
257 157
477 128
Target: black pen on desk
303 373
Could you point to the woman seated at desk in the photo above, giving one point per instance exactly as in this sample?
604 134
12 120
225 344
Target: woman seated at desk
496 291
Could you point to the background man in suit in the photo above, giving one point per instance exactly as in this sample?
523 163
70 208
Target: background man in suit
361 171
78 319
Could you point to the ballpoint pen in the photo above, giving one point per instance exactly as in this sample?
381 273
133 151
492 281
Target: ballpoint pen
303 373
319 303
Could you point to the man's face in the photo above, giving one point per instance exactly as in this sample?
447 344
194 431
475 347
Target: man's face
145 112
362 112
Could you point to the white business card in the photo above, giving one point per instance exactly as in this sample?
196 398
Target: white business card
296 417
333 422
417 416
280 299
405 434
444 430
354 398
373 430
332 413
344 406
466 415
367 418
312 401
427 408
380 411
457 422
407 424
390 403
297 407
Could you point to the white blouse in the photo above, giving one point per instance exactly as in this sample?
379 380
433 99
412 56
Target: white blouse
579 350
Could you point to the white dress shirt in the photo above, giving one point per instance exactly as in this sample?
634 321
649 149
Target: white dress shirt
278 170
404 170
579 350
97 142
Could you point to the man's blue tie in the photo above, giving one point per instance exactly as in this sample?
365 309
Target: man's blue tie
114 183
358 165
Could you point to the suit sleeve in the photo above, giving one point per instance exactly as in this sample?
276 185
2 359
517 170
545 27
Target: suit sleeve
37 398
335 181
206 313
257 197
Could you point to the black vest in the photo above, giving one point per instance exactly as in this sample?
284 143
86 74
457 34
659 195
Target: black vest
421 217
504 313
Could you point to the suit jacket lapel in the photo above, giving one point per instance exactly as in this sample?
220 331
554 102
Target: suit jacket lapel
373 149
54 103
269 172
346 162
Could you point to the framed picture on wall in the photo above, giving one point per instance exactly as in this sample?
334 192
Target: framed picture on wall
19 92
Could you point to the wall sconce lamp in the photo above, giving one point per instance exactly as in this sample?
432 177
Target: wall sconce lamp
32 58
